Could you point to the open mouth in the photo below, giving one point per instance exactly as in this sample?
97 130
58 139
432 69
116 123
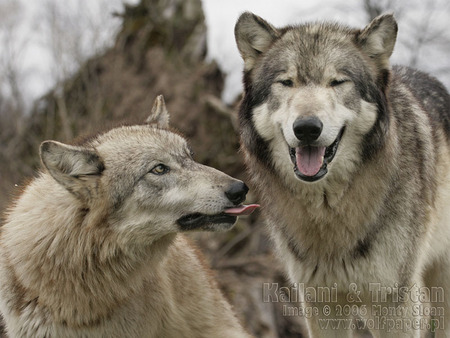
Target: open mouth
226 219
310 163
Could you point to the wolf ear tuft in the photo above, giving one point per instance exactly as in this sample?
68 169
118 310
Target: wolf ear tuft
75 168
254 36
159 115
377 39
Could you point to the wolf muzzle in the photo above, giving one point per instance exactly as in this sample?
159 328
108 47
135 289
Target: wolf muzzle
236 193
310 162
307 129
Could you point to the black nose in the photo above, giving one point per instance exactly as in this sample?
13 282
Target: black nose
307 129
236 192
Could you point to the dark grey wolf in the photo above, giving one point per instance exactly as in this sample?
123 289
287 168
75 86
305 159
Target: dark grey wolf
351 159
92 246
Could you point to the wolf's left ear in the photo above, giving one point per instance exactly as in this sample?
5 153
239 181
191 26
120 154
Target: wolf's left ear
378 39
159 114
254 36
75 168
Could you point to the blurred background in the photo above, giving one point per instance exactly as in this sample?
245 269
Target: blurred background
69 68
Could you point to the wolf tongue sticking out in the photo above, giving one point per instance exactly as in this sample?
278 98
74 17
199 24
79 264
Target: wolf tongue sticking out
309 159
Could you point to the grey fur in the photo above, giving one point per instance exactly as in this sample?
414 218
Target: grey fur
380 213
92 246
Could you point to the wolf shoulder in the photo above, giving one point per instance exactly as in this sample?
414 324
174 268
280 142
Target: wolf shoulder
429 93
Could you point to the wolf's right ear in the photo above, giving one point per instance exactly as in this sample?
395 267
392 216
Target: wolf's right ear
75 168
159 115
254 36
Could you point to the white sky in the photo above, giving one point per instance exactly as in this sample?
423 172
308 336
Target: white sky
85 27
92 22
221 17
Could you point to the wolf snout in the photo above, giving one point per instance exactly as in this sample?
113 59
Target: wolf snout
307 129
237 192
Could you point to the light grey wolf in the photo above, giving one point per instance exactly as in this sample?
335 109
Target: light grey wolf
351 159
91 247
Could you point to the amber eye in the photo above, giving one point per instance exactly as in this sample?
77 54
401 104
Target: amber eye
160 169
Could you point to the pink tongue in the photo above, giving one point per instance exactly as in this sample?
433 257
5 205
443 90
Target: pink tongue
309 159
241 210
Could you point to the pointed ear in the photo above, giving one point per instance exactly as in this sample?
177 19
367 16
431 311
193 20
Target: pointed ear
254 36
75 168
159 115
378 39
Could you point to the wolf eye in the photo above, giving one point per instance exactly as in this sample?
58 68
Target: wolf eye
335 83
287 83
160 169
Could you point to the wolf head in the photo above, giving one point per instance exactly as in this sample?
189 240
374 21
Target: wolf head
144 180
315 94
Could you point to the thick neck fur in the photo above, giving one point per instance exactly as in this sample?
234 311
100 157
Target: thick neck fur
94 278
322 218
